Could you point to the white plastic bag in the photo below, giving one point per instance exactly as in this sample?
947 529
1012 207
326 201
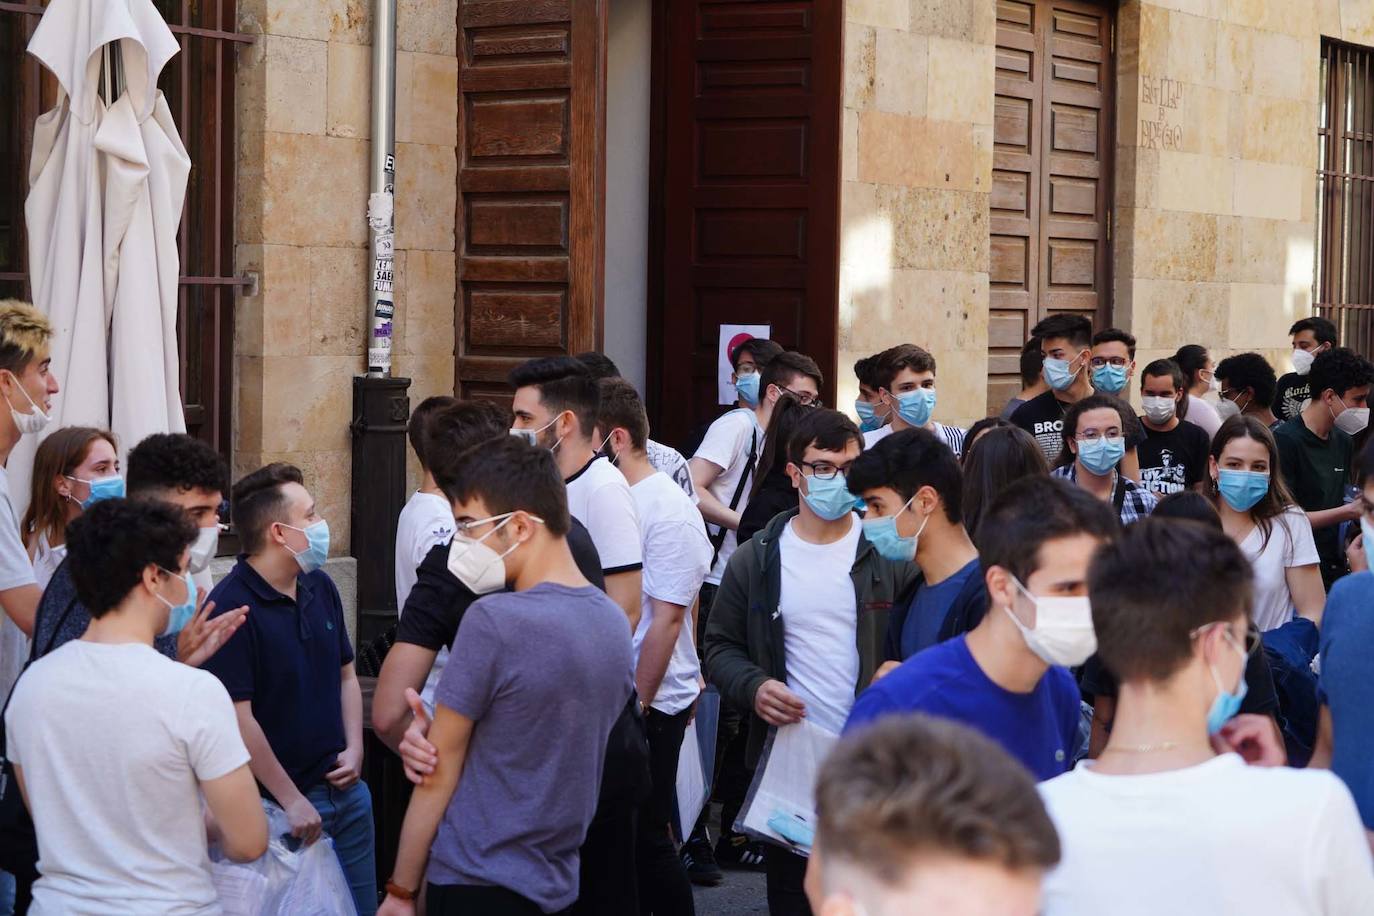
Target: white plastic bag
306 882
781 805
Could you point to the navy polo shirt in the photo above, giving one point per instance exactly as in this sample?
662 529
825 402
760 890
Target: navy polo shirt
286 658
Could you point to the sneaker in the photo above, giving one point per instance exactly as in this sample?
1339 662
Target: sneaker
700 864
735 850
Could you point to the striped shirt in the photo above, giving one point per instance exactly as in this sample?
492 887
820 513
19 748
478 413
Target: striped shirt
952 436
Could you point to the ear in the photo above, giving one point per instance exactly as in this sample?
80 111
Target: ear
1212 469
150 577
1001 590
796 474
63 486
927 500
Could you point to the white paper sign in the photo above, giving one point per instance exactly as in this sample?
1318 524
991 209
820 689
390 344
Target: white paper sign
731 336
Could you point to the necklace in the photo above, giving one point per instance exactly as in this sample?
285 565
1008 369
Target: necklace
1141 748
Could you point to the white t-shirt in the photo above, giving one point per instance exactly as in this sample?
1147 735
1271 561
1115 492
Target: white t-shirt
426 521
727 445
600 499
15 571
677 556
1201 413
1219 837
820 620
670 461
1290 544
952 436
114 741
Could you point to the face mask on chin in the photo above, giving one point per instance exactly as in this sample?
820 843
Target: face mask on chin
32 423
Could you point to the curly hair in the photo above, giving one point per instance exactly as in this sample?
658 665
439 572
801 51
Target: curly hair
112 543
175 461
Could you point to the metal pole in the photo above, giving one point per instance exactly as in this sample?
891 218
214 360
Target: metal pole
380 209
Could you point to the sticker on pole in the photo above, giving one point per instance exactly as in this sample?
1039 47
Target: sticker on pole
379 359
383 275
731 336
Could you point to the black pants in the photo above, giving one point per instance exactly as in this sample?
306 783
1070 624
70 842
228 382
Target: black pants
786 874
474 900
663 886
607 873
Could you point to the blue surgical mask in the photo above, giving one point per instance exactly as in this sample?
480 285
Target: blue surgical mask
1099 456
1242 490
1057 374
178 615
915 407
830 499
1110 379
747 387
1226 704
101 488
868 417
317 545
882 534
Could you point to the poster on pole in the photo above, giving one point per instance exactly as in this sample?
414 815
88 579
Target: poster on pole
731 336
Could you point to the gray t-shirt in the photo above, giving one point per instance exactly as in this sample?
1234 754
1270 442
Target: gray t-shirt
544 673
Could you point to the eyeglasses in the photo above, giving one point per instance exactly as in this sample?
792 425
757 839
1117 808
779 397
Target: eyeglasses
805 398
1099 362
824 470
1253 640
1092 435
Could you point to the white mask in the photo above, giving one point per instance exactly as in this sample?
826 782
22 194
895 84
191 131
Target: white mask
1063 632
1213 386
1227 408
204 547
1159 410
1352 420
28 423
476 565
1302 361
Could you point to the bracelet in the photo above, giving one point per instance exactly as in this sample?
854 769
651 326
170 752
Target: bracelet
400 893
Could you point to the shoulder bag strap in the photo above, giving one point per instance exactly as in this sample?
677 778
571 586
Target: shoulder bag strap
718 539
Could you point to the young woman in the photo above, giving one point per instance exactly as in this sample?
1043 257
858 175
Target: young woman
993 459
1094 433
1258 513
73 469
772 490
1199 378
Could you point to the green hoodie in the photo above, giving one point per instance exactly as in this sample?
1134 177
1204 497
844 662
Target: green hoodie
743 646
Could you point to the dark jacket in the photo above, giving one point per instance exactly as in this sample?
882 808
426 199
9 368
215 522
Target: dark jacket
965 613
743 646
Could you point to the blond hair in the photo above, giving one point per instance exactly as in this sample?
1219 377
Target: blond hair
24 331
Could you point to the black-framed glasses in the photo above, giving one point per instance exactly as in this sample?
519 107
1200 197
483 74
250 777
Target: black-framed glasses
1118 362
805 398
824 470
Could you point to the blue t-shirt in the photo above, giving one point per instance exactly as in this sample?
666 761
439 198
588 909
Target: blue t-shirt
930 607
1039 728
287 658
1347 683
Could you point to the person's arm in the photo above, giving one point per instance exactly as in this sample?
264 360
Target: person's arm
406 666
348 768
267 769
240 824
624 588
1325 518
1307 591
21 605
1104 710
704 473
450 734
1325 744
657 648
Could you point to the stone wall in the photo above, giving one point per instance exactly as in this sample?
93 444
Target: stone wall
303 112
917 171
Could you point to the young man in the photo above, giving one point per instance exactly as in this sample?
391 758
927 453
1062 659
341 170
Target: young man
723 466
426 520
920 815
1247 387
114 745
1095 438
748 360
1009 678
1032 377
1113 361
555 407
289 671
664 458
1174 455
913 489
549 658
677 556
185 472
872 412
1171 609
1311 336
906 384
1316 449
801 615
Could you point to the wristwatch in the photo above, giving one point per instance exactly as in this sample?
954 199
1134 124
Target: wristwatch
400 893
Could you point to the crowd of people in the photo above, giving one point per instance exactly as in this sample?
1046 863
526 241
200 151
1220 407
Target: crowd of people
1070 660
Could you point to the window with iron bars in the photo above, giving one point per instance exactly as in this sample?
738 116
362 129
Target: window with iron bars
1345 194
199 86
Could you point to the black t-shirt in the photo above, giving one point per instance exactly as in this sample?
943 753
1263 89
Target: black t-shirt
1292 391
1043 417
438 601
1174 461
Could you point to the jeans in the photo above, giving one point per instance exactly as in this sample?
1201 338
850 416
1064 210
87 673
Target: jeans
786 873
347 818
663 886
475 900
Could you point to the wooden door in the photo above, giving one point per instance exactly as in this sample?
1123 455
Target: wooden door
531 171
747 162
1052 171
